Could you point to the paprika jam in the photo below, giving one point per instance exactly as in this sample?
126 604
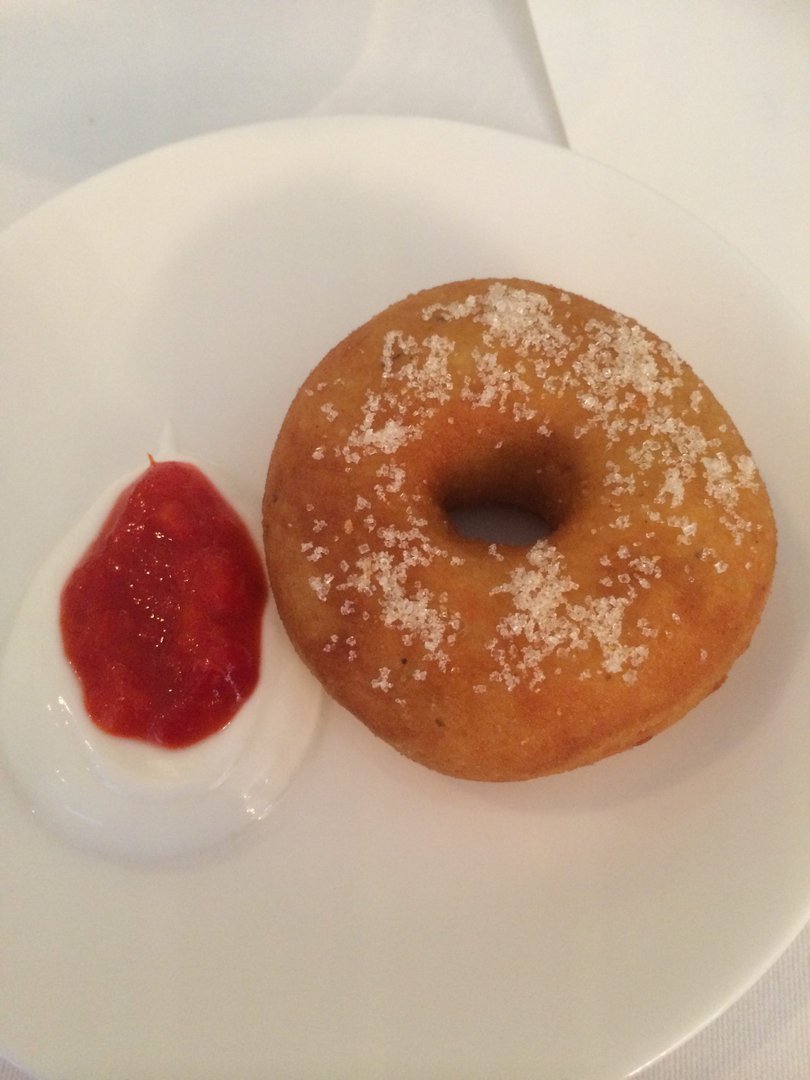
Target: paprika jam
161 619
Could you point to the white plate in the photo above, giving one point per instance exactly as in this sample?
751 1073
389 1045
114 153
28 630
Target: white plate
386 921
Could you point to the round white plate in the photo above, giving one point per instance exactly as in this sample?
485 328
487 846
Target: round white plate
386 921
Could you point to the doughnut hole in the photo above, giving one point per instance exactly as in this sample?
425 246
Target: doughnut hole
513 493
498 523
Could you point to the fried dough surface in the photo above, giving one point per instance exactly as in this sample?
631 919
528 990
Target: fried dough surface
495 662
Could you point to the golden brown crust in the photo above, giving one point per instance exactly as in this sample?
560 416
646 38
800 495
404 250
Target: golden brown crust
499 662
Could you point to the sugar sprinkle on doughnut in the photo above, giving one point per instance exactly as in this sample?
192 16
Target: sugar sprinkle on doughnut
492 372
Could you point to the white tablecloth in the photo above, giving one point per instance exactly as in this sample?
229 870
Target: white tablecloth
707 102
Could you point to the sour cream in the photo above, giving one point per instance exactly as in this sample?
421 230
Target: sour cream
126 797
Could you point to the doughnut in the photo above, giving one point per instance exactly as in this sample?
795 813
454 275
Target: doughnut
500 661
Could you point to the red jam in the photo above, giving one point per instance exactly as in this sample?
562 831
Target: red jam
161 620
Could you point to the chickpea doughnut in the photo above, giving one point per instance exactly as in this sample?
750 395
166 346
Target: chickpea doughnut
498 662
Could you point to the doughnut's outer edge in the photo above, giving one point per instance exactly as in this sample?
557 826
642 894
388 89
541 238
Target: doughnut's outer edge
407 680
